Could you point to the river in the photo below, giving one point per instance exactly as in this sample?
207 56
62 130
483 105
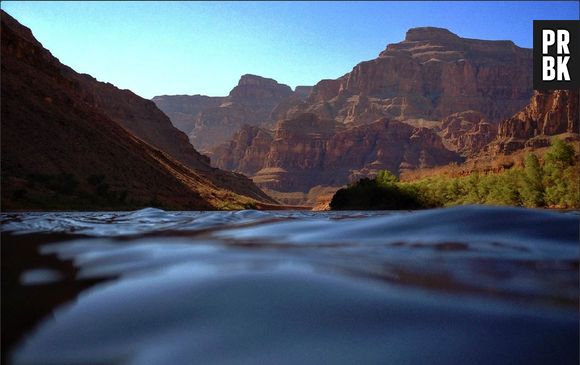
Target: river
465 285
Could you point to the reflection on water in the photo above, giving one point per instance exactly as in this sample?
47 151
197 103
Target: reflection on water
475 285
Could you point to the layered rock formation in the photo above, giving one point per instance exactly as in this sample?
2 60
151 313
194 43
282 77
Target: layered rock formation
139 116
459 88
431 74
309 151
255 90
549 113
69 141
467 132
442 97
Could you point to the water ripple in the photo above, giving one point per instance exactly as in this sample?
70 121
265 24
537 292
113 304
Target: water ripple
480 284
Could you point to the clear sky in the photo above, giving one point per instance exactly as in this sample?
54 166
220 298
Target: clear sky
156 48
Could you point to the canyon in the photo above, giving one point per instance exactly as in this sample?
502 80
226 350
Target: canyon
431 74
434 99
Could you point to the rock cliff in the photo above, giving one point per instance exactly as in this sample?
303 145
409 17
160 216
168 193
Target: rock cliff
302 92
139 116
308 151
374 117
548 113
431 74
467 132
246 152
255 90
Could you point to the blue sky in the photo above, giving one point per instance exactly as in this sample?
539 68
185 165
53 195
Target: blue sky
156 48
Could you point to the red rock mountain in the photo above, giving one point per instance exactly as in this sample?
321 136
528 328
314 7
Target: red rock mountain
246 152
69 141
431 74
431 99
460 87
142 118
549 113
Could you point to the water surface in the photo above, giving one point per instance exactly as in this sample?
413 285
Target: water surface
477 285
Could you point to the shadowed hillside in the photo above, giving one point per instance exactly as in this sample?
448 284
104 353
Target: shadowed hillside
61 149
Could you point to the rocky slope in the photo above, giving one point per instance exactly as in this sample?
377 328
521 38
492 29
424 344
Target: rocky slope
431 74
142 118
67 141
548 113
308 151
139 116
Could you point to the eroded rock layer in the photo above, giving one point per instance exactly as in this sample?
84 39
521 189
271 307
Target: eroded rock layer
431 74
549 113
307 151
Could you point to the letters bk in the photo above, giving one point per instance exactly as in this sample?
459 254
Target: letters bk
556 53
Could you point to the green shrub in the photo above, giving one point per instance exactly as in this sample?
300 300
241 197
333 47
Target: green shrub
555 184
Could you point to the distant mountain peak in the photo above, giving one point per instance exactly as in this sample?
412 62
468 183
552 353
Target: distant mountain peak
252 87
250 79
440 44
430 33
